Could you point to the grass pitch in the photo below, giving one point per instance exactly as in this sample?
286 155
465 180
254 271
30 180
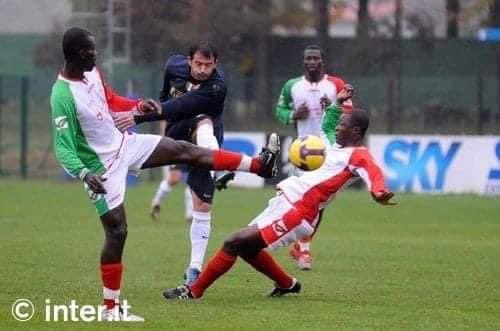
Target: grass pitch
432 262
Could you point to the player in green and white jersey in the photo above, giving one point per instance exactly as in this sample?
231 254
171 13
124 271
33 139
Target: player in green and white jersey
302 103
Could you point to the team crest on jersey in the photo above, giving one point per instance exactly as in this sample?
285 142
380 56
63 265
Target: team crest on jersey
61 122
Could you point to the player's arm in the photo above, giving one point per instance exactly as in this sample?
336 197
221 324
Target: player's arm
118 103
332 113
64 131
363 164
284 111
339 86
207 100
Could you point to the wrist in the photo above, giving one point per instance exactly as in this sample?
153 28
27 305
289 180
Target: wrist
139 105
84 172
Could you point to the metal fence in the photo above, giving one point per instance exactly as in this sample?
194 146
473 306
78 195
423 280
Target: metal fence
452 89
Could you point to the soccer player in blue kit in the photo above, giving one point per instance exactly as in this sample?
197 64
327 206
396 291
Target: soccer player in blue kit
193 97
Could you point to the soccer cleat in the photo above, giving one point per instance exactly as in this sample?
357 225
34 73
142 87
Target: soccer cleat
279 291
269 157
221 179
303 259
117 315
191 275
178 293
155 212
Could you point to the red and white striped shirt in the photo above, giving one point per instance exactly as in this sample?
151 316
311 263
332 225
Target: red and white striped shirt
343 165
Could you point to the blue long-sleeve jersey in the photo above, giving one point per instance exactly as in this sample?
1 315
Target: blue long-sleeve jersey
206 97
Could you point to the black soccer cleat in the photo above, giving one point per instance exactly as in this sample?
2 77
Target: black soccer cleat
279 291
221 179
269 157
178 293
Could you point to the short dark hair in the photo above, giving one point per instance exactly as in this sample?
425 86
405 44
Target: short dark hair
205 48
360 118
74 40
315 48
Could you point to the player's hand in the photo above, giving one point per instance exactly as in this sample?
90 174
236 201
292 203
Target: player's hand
124 120
346 94
94 182
384 197
325 101
148 106
302 112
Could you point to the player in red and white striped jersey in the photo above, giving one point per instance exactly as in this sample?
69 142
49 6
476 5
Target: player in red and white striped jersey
293 213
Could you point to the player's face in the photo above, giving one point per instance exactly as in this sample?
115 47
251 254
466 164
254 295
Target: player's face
88 54
343 131
313 61
201 66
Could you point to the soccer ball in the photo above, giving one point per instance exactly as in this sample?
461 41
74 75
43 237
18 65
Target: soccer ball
307 153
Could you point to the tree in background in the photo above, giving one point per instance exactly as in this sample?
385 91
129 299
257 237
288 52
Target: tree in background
363 25
322 23
452 13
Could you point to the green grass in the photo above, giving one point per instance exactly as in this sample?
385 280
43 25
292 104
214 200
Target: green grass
432 262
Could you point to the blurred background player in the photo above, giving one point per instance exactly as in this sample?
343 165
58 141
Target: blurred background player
172 175
193 99
302 102
294 212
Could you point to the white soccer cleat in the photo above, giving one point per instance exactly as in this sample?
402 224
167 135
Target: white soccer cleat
117 315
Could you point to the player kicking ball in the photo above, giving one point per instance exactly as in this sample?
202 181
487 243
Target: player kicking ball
293 213
90 147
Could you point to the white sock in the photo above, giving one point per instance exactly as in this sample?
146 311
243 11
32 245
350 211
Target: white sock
205 136
109 294
188 204
245 163
304 246
163 189
200 231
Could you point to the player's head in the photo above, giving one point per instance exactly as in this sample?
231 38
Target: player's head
202 60
313 61
352 127
79 48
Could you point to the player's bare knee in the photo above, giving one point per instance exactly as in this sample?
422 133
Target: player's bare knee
203 120
115 226
118 233
234 244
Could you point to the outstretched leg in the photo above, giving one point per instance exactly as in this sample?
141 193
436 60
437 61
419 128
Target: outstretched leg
169 151
248 244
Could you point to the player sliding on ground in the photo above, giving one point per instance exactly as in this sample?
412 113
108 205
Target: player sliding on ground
89 146
293 213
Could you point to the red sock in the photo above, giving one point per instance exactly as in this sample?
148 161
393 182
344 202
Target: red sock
225 160
265 263
218 265
111 275
256 165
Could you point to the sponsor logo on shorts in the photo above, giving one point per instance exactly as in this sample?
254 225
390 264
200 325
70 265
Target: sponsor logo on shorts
113 199
280 228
